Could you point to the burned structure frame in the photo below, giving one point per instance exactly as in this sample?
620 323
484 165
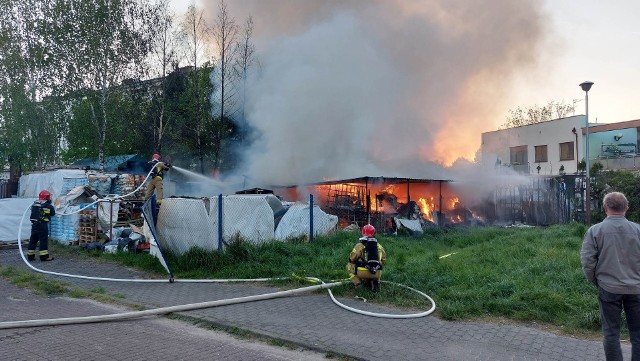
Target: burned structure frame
540 200
375 200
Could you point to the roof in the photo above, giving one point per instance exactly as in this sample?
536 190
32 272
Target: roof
596 128
112 163
374 180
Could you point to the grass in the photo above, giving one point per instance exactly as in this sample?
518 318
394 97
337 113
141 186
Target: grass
530 275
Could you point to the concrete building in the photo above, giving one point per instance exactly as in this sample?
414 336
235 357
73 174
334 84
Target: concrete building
548 145
558 145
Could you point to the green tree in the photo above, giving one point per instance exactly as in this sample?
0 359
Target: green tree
27 72
197 124
623 181
112 42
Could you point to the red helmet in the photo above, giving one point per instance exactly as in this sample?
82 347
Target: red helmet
368 231
155 157
44 196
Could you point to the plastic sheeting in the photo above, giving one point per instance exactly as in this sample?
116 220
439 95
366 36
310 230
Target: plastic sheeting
413 225
184 224
11 211
250 217
295 223
31 184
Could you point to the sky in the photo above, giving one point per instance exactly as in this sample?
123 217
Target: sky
399 83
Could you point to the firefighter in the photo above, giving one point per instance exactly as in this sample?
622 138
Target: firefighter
156 178
366 260
41 213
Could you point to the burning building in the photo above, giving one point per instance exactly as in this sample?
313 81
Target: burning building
383 201
387 202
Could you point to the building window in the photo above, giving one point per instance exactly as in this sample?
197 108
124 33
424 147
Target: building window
541 153
519 155
566 151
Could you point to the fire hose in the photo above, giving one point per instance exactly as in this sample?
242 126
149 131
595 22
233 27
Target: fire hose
200 305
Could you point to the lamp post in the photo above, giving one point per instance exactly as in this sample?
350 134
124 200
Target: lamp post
585 87
577 161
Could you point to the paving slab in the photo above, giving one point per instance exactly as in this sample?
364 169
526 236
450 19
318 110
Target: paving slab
314 322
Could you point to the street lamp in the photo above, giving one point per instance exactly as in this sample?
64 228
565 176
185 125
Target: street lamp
585 87
577 161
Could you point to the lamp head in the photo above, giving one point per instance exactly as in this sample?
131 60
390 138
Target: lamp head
586 85
573 130
617 137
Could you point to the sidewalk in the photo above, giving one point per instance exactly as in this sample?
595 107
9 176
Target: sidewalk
316 323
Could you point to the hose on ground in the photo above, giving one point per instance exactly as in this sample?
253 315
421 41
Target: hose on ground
193 306
162 310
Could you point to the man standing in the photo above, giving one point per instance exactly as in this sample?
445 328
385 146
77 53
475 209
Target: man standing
611 260
156 178
41 213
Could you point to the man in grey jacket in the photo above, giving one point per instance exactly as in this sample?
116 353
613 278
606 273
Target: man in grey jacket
611 260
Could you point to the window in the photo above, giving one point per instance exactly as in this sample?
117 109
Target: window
566 151
541 153
519 155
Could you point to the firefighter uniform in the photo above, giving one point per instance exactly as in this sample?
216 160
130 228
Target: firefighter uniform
360 268
41 213
156 180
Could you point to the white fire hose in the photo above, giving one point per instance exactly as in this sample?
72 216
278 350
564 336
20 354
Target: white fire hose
194 306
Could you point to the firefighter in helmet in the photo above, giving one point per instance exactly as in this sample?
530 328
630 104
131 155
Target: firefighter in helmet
157 173
41 213
366 260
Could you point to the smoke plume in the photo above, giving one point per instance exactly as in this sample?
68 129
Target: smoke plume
380 87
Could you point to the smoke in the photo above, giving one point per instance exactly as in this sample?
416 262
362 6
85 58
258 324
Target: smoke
380 87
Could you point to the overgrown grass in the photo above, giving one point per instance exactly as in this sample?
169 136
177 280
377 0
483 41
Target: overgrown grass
522 274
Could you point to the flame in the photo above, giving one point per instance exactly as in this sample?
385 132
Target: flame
426 208
453 202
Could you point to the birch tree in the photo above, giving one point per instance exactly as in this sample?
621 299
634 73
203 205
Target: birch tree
225 35
165 55
246 60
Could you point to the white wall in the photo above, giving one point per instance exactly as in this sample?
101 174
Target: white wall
497 144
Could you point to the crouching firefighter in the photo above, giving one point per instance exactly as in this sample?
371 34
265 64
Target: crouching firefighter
366 260
41 213
157 172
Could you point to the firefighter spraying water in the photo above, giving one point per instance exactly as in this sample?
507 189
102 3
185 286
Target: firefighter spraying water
157 172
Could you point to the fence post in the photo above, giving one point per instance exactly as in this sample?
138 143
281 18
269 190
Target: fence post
310 217
220 222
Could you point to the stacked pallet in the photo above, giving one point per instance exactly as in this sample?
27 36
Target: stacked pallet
87 226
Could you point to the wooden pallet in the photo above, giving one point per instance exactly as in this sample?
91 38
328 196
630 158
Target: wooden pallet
87 238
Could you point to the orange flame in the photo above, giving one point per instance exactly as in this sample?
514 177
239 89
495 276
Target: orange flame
426 208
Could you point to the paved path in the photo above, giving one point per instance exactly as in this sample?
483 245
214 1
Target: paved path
311 321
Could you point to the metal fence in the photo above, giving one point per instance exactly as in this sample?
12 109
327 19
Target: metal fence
541 201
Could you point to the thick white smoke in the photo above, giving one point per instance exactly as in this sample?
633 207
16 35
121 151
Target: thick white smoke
380 87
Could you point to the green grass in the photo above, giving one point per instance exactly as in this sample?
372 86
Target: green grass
521 274
41 285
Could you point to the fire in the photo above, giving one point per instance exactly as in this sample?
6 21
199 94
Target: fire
426 208
454 201
389 189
